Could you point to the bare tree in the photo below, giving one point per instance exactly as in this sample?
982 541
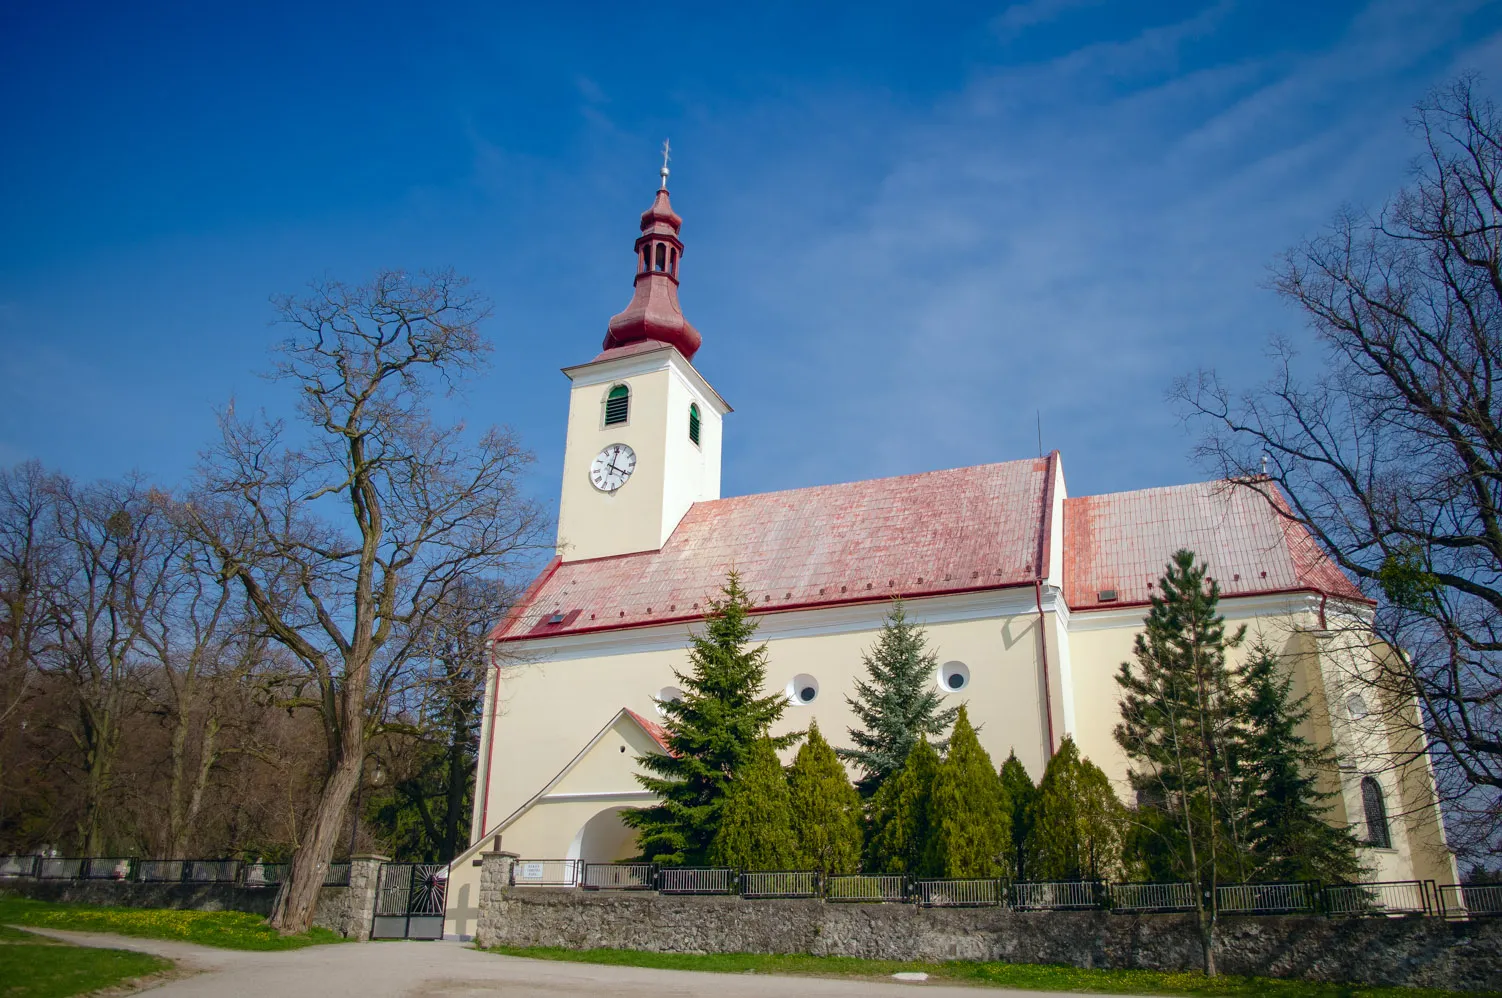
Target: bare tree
344 537
1392 455
199 645
28 568
110 535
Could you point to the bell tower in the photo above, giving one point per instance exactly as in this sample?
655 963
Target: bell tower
644 426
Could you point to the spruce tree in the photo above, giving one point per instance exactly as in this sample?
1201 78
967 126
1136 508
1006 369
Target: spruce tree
897 704
710 733
900 816
1177 725
826 809
756 822
1023 796
1078 823
969 815
1286 830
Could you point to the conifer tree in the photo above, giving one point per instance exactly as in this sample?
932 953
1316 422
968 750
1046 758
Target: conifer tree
1023 796
1177 723
1078 823
826 809
1286 830
710 733
900 816
970 817
897 704
756 822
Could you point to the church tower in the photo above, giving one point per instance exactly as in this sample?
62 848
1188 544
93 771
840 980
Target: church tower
643 425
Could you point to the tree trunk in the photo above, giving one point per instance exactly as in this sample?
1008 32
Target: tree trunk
297 903
458 781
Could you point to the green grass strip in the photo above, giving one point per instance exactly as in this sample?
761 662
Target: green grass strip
224 929
1024 976
40 970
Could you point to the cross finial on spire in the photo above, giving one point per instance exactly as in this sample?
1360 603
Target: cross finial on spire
666 155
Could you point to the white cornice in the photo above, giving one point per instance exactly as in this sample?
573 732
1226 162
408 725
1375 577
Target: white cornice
598 372
1231 607
603 796
846 618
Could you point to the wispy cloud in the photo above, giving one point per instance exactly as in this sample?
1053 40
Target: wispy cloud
1067 237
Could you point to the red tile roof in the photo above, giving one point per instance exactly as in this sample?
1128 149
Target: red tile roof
917 535
1122 542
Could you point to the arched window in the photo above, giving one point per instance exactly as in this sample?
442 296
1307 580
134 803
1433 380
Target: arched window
617 405
646 257
1376 814
693 421
662 256
673 261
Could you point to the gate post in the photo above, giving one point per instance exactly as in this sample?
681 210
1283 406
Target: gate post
364 879
495 876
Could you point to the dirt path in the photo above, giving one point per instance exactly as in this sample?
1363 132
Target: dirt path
453 970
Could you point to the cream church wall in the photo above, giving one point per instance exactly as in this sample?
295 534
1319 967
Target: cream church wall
550 707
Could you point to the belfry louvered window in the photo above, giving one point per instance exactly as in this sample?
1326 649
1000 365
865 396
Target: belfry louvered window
617 405
693 421
1376 814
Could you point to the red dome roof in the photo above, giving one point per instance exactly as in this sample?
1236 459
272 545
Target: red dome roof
654 313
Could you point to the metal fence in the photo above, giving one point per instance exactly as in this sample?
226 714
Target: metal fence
1393 897
866 888
57 868
18 866
212 871
780 884
1267 899
100 868
619 877
545 873
1060 896
337 875
1470 900
974 893
689 880
1151 897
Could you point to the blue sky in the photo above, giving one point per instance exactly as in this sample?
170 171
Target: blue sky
908 228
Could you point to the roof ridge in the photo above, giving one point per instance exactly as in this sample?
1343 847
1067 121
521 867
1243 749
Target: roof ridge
872 481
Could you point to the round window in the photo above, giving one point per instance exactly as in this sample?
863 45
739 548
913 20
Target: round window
954 676
802 690
1356 705
668 694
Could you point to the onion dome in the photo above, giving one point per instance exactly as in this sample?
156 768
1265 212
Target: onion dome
654 314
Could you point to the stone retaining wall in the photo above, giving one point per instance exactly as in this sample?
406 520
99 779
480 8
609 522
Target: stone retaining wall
1379 951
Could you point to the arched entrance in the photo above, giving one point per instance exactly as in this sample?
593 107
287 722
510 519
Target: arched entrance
604 839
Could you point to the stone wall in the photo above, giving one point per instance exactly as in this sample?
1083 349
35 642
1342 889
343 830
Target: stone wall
1379 951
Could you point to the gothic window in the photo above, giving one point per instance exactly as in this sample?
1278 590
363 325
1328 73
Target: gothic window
693 421
1376 814
662 256
617 405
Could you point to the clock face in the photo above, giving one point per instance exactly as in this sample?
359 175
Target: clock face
612 466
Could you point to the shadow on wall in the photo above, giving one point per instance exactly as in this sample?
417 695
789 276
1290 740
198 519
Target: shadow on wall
604 838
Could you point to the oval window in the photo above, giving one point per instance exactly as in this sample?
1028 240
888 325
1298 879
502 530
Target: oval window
954 676
668 694
802 690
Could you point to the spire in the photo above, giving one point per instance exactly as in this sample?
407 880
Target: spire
654 313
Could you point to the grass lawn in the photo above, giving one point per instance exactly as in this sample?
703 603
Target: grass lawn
33 967
1004 975
225 929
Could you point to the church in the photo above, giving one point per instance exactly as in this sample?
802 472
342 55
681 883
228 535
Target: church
1030 597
